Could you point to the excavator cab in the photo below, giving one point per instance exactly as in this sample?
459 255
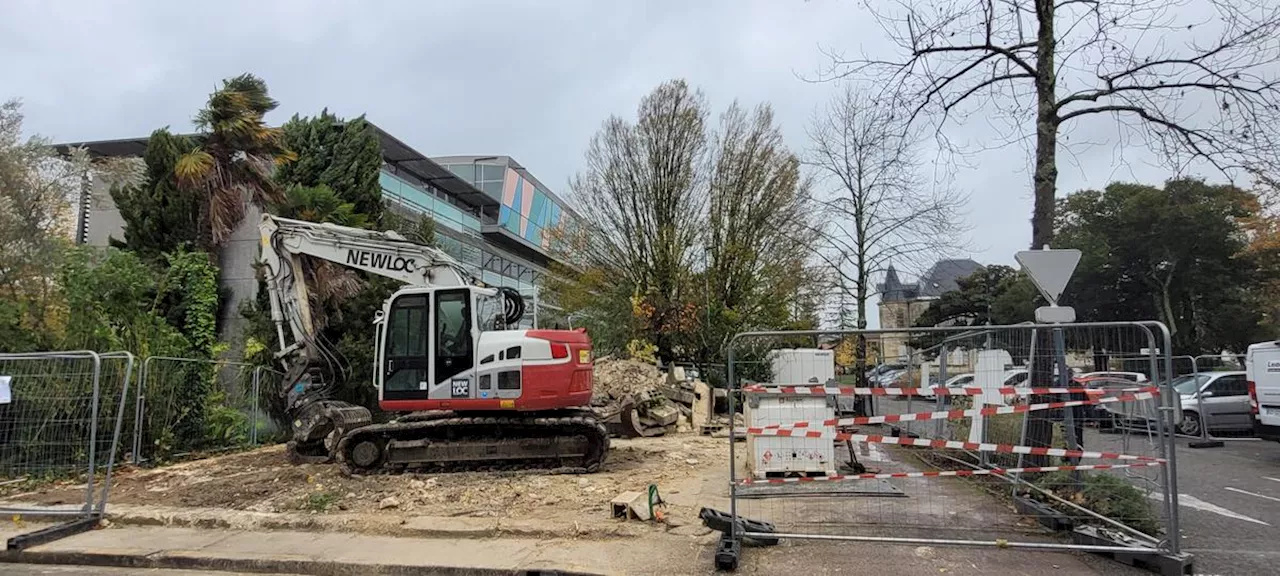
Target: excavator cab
448 349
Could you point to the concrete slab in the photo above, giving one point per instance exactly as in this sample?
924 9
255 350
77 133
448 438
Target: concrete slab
461 527
303 545
137 541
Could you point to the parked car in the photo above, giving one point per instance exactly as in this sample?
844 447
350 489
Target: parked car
1016 377
957 381
887 378
875 372
1262 373
1225 398
1100 414
1130 376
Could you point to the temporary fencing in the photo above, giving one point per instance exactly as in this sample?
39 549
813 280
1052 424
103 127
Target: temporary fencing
191 406
61 415
1021 413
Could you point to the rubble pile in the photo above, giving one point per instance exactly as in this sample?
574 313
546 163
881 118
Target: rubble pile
616 378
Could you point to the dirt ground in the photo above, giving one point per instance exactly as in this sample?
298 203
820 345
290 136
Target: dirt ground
690 471
261 481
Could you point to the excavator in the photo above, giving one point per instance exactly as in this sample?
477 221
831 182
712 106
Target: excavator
466 391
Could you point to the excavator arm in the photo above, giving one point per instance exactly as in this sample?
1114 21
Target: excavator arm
387 254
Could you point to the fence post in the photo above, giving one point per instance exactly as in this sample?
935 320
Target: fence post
732 388
1169 447
115 437
1205 441
93 430
141 409
939 395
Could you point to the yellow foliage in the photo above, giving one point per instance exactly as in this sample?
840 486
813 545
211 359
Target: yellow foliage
642 350
845 352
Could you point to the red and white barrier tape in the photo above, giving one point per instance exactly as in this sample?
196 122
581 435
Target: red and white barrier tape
951 414
967 391
927 443
943 473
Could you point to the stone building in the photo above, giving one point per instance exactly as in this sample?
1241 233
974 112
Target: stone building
901 302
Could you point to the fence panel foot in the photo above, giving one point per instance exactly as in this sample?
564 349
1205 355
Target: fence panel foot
1157 561
1206 444
728 552
50 533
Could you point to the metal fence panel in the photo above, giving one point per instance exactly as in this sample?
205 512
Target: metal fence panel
189 406
60 419
968 436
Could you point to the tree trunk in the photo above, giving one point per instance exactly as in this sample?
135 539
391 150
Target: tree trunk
1039 427
1046 164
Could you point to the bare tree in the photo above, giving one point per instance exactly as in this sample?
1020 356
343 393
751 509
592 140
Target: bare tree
1194 80
689 230
883 211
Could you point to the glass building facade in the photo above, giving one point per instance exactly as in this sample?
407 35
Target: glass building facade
505 237
528 210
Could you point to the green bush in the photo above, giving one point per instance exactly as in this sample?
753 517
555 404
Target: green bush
225 425
1105 494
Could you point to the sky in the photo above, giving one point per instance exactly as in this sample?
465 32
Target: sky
533 80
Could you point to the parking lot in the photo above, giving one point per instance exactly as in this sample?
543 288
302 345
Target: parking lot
1229 496
1230 506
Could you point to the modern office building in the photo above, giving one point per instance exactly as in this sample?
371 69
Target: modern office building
490 213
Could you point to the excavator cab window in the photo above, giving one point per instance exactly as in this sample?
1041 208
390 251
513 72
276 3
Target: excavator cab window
453 333
407 350
489 312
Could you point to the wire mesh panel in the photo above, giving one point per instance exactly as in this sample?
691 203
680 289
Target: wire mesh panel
60 419
188 407
974 436
266 383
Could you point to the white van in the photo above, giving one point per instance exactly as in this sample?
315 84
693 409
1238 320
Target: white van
1262 370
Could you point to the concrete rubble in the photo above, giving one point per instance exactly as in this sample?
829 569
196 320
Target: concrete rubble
635 398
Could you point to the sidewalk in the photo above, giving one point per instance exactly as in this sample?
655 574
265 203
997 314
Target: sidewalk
343 554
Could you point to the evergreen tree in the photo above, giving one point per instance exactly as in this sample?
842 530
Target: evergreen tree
159 216
345 156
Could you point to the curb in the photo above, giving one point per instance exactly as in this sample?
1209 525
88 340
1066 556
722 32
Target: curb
415 526
183 561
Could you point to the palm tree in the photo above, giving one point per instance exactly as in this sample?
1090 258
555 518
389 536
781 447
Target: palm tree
234 162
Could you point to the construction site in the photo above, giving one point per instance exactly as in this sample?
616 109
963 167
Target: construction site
484 288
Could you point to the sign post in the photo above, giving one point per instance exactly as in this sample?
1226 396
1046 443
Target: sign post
1050 270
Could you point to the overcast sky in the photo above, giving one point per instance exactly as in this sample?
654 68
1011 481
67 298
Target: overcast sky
530 79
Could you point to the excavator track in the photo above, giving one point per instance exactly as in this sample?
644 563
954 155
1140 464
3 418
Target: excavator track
566 441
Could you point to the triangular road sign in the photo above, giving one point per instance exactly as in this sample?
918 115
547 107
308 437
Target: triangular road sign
1049 269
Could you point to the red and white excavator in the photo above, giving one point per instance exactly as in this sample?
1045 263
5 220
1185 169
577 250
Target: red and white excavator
468 392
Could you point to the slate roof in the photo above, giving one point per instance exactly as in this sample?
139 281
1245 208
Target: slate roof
940 278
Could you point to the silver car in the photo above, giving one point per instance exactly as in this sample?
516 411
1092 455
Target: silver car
1226 401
